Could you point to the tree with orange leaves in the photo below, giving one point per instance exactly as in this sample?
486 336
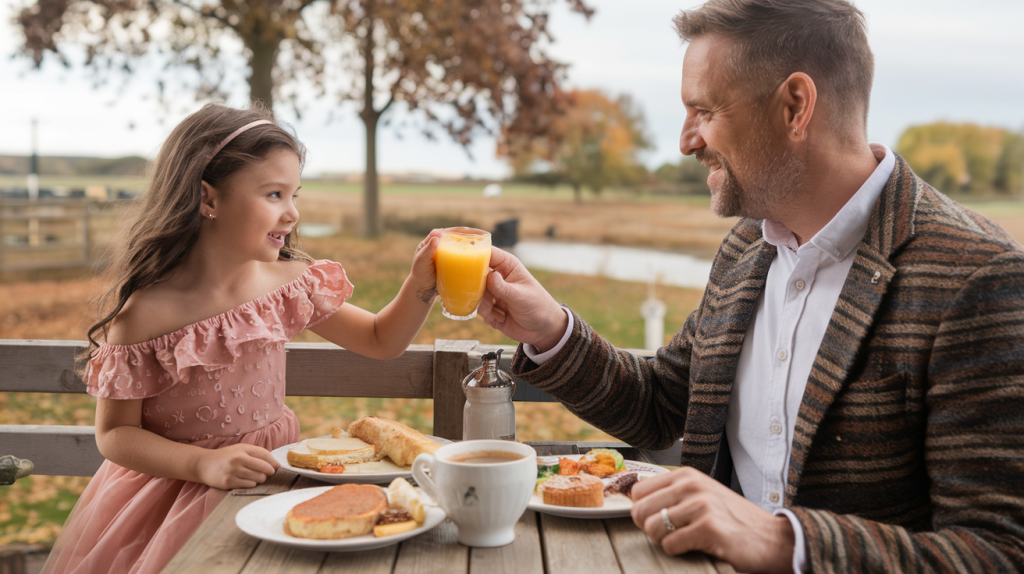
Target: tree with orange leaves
594 143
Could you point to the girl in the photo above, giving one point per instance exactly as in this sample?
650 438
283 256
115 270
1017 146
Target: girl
189 378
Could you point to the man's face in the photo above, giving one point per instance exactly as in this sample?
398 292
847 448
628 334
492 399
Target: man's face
730 130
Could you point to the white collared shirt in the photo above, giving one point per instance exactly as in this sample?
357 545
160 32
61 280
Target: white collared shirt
782 341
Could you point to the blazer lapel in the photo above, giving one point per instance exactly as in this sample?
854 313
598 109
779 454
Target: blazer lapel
891 225
721 331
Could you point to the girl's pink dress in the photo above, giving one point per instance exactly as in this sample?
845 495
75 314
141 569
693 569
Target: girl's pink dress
214 383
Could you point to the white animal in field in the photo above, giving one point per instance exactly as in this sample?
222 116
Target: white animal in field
492 190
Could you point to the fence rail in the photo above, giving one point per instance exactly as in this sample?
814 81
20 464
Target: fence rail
55 233
313 369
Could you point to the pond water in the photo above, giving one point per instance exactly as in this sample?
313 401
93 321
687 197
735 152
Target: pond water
614 262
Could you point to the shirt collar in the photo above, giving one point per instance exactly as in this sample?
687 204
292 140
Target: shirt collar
844 232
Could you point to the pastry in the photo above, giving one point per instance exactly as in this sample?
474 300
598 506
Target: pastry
393 439
579 490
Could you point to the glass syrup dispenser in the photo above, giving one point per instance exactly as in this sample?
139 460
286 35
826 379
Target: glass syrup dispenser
489 412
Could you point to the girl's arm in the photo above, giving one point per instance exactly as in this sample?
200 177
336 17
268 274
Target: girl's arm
122 441
387 334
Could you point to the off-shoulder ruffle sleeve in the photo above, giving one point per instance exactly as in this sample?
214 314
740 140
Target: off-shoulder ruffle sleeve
327 288
147 369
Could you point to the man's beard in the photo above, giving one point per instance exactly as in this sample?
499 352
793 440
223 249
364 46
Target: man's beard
771 183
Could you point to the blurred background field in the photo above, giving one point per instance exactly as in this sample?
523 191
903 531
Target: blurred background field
33 510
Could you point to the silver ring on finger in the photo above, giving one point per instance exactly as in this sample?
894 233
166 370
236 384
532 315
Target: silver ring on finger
664 520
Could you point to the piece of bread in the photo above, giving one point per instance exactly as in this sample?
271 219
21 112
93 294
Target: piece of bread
393 439
404 496
394 528
578 490
344 511
315 452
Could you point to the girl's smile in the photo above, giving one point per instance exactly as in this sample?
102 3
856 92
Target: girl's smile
255 207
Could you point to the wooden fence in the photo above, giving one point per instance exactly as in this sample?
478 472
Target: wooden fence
55 233
313 369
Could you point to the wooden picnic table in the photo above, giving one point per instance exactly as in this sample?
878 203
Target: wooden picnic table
544 544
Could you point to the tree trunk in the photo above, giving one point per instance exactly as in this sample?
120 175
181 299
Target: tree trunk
262 62
370 116
371 196
577 192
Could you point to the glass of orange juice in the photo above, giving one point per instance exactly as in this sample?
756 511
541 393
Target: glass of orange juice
462 260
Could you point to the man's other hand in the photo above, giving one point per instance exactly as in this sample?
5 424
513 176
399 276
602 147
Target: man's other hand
713 519
518 306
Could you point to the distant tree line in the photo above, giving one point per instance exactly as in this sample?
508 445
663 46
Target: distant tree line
19 165
965 158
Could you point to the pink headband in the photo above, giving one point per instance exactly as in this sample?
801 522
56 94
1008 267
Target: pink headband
234 134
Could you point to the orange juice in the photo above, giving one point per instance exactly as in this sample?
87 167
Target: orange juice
462 259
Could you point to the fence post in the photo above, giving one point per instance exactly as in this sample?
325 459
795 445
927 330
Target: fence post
451 365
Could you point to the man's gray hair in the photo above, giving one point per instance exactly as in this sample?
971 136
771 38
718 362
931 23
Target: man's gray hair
825 39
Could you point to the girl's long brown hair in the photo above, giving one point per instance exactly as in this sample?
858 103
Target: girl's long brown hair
167 218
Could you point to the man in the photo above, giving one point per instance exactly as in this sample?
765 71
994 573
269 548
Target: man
850 391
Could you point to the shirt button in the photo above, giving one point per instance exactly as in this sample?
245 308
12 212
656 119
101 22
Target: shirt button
800 284
774 497
776 428
782 355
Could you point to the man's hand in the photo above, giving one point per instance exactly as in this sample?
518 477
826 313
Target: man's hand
518 306
713 519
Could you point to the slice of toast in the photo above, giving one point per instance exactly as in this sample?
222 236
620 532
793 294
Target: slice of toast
313 453
344 511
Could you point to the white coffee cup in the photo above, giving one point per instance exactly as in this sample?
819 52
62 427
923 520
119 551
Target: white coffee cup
484 499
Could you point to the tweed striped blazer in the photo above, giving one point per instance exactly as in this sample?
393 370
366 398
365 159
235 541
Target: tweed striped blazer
908 454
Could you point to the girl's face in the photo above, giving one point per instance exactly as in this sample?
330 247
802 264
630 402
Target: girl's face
255 207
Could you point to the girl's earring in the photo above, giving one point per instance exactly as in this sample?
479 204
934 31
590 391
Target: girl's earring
212 216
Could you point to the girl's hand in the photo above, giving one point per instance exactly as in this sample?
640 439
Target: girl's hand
236 466
424 274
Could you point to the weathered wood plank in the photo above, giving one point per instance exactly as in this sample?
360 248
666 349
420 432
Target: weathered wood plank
638 556
326 370
436 551
574 545
523 556
379 561
218 545
313 369
31 365
270 558
451 365
53 449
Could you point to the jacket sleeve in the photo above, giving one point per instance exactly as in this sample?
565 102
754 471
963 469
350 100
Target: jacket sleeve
639 400
973 446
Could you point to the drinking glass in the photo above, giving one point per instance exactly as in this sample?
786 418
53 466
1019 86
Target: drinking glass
462 260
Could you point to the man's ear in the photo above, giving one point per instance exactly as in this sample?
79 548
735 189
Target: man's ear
799 97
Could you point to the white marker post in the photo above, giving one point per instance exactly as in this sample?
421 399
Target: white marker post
653 312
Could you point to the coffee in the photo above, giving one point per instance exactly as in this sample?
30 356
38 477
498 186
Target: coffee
486 457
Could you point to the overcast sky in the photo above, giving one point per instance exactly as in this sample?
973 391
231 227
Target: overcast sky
935 60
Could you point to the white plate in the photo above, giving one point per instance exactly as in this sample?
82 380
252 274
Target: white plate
281 454
264 519
615 506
